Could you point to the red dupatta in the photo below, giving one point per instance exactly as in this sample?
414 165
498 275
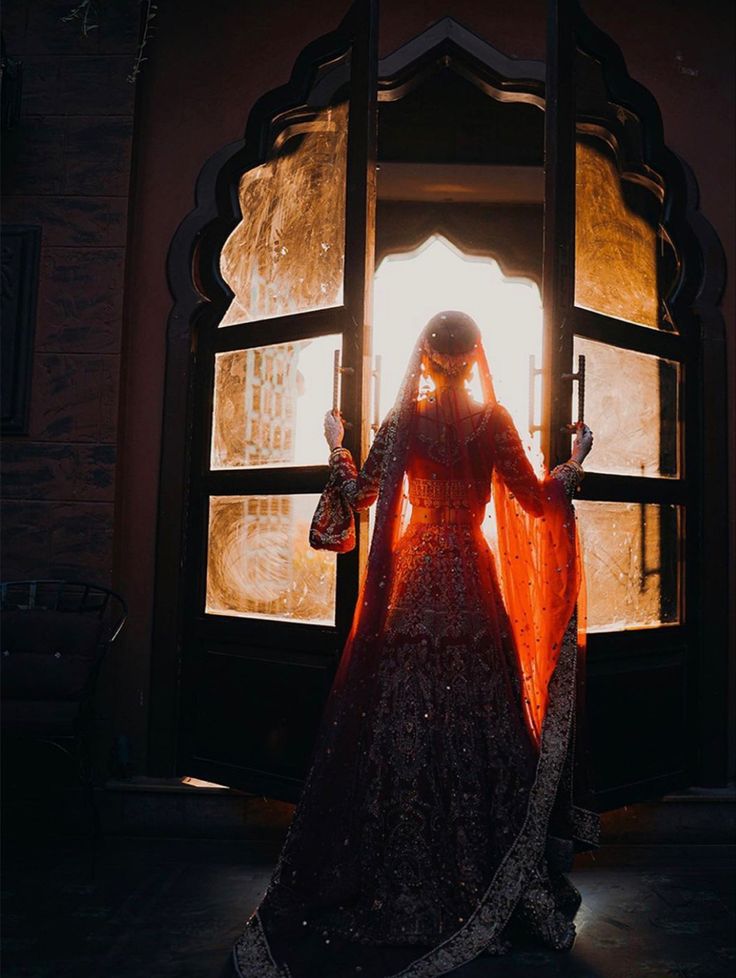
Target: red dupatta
539 566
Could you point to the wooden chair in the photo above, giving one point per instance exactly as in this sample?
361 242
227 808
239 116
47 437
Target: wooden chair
53 639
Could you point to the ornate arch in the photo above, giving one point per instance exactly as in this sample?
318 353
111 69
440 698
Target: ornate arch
642 155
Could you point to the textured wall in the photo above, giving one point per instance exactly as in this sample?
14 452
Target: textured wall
66 168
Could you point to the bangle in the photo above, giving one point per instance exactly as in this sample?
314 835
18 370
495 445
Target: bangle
336 450
578 468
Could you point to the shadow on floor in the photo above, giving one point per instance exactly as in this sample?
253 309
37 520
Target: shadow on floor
171 908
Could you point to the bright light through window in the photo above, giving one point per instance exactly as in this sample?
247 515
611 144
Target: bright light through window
411 288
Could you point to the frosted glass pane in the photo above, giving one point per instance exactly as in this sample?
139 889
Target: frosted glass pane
631 557
260 564
270 402
631 403
288 252
615 247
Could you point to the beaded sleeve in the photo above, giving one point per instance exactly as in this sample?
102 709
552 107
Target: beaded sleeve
516 470
347 490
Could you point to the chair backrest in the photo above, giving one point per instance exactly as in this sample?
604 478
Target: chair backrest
54 637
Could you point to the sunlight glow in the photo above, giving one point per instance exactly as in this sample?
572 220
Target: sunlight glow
269 404
410 288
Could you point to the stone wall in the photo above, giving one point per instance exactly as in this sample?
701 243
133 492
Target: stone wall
66 169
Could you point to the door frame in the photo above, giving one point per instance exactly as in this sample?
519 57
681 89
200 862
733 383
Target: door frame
695 305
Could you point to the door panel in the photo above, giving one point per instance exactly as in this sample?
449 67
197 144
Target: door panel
260 564
266 616
615 238
277 699
269 402
608 300
637 738
637 417
631 555
275 262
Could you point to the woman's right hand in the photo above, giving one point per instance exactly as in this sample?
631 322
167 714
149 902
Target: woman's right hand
334 429
583 443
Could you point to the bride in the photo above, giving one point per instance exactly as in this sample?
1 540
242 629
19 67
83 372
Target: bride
438 815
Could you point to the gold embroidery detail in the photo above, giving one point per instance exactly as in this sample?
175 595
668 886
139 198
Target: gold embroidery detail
446 492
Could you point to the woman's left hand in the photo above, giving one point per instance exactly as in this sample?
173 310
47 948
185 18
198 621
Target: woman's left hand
334 429
583 443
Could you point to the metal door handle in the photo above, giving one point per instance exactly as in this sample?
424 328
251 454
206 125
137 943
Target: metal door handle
337 370
534 372
580 378
376 394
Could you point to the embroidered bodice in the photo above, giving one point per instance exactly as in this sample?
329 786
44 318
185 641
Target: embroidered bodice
491 443
439 493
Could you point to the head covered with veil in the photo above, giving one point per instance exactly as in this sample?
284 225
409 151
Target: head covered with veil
538 566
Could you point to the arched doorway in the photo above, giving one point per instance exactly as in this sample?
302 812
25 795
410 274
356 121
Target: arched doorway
409 287
260 618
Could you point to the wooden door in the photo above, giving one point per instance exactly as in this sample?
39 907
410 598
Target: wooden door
610 280
264 617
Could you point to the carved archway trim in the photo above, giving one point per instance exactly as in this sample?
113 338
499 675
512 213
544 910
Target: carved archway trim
694 301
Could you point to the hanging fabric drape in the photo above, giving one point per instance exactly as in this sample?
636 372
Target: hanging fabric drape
540 569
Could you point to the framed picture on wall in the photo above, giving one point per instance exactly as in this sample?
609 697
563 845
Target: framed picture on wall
20 246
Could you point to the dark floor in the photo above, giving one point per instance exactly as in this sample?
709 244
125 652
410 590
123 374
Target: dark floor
153 908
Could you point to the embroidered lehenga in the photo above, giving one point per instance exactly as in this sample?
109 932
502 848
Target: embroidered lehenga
438 814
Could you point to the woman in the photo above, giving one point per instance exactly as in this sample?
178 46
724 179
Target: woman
438 812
